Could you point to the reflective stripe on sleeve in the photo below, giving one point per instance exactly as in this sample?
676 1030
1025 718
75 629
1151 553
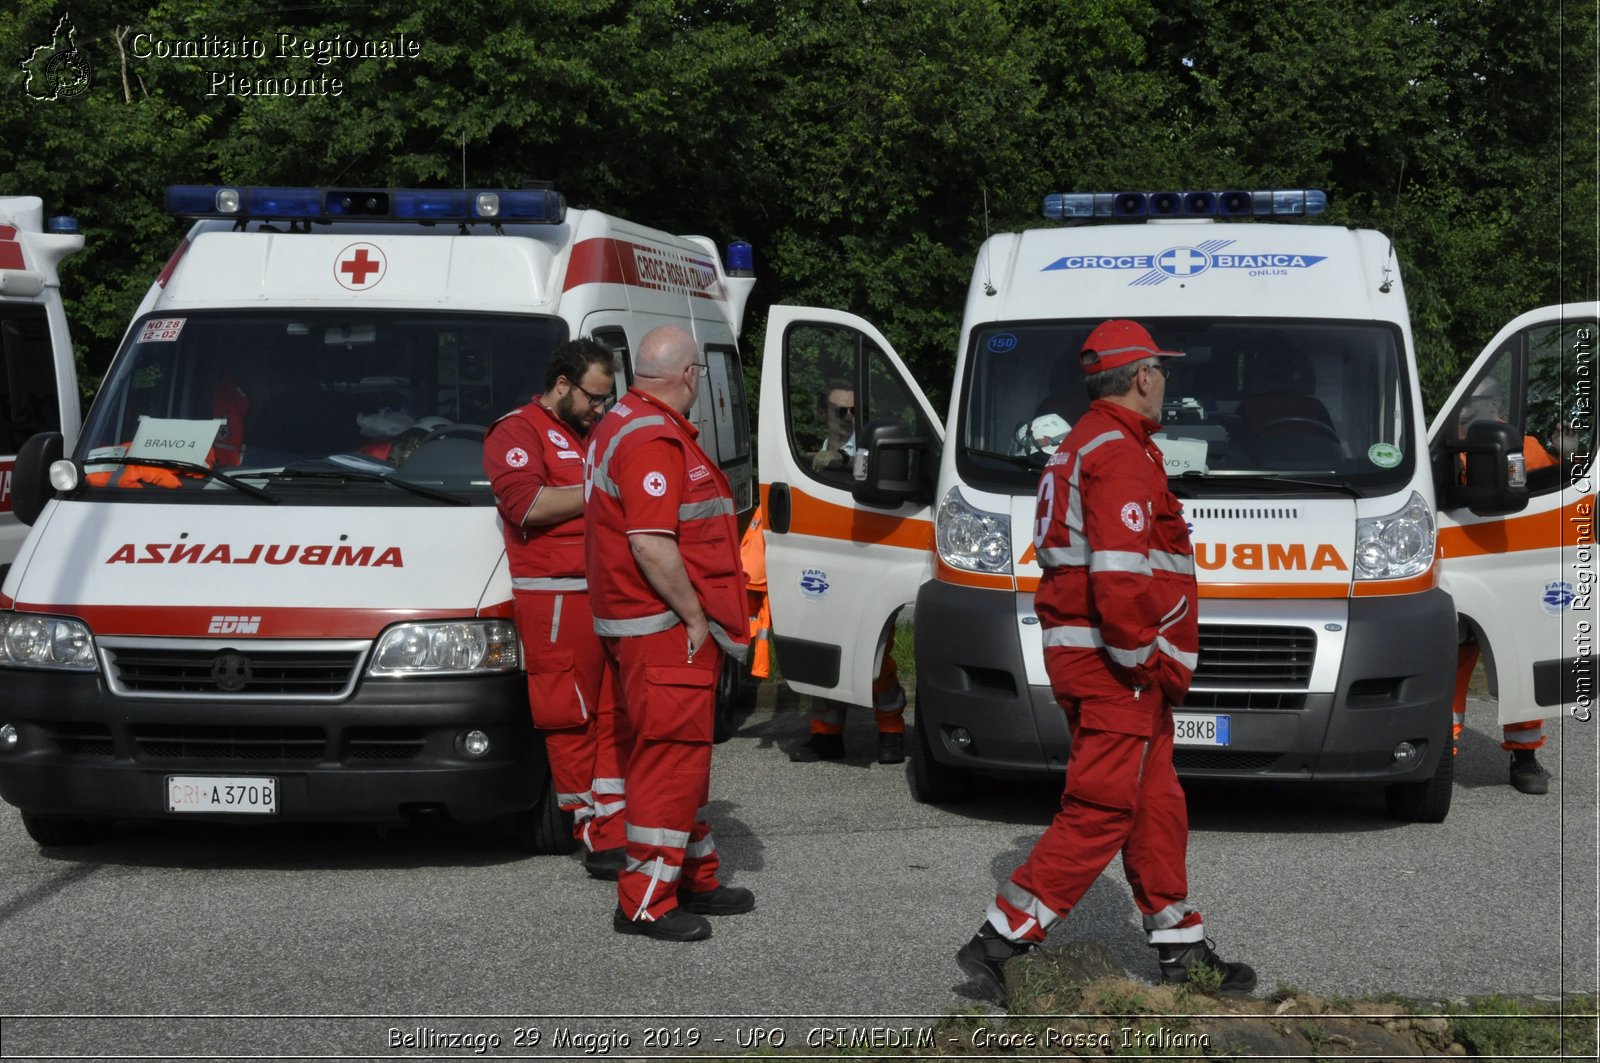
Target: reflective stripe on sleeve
710 507
1162 561
1130 561
1190 661
1075 556
600 474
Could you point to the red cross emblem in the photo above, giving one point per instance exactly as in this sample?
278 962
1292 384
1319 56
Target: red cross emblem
360 266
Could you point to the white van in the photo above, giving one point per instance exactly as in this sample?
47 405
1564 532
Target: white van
39 382
1293 434
269 584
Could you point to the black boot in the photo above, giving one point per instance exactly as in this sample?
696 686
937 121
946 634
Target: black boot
819 747
1178 959
1527 774
606 864
891 747
723 900
674 925
984 958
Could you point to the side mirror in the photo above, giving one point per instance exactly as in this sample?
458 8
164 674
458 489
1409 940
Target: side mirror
30 478
890 464
1486 472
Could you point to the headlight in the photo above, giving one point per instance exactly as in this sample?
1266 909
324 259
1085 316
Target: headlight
970 538
454 647
1395 545
29 641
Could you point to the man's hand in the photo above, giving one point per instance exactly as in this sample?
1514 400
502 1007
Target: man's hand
827 459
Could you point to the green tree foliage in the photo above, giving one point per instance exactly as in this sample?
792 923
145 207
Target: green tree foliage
864 148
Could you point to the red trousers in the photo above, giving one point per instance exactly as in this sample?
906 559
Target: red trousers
1526 735
1122 796
670 703
574 701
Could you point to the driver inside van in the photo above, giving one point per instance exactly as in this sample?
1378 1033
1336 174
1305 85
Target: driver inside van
836 409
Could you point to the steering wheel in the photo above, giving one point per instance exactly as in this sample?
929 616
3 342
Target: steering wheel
1321 427
455 431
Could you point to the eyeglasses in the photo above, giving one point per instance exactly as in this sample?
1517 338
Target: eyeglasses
1157 367
595 401
842 411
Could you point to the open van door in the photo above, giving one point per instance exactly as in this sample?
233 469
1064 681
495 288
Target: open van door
1523 581
849 452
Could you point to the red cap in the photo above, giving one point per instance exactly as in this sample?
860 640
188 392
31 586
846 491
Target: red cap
1116 343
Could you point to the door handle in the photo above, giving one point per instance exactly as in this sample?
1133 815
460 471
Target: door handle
779 509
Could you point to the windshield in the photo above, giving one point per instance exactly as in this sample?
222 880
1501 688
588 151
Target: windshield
1253 403
371 407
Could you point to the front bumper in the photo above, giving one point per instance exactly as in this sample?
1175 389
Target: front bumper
1394 684
382 755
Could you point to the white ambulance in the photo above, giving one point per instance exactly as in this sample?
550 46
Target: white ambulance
1295 437
268 582
39 384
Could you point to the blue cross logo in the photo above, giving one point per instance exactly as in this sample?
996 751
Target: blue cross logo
1183 261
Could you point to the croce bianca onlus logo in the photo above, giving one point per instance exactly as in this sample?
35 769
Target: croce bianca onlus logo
57 71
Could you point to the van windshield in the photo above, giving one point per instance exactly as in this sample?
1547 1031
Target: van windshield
1253 405
315 407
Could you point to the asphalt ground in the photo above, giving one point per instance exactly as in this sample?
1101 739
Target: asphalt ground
863 896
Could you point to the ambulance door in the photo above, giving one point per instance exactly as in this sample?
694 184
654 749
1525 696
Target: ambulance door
1524 582
38 393
837 569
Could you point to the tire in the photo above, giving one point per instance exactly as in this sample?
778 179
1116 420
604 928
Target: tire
544 830
60 830
730 707
933 783
1427 801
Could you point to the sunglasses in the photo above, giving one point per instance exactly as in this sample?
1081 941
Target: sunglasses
595 401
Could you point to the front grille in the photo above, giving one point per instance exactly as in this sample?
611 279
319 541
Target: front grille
1243 701
384 743
1220 760
1252 655
229 743
261 672
81 739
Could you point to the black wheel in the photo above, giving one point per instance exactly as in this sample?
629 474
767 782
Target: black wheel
933 783
1427 801
63 830
544 829
731 702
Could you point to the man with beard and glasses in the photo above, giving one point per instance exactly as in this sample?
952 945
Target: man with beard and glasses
534 459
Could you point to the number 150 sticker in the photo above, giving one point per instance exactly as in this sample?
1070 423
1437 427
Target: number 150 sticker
161 329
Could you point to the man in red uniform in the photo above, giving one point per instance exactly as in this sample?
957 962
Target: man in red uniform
1118 606
535 466
662 546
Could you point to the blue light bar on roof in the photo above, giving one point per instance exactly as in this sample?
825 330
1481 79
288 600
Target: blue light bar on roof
330 205
1087 206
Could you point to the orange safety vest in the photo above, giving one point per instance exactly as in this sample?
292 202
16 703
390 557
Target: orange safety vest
753 553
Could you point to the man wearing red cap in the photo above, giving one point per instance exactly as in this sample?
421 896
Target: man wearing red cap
1121 639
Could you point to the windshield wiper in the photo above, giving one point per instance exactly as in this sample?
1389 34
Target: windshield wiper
189 467
1032 462
357 475
1258 480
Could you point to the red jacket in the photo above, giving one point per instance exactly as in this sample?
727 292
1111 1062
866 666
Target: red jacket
1118 600
645 473
526 451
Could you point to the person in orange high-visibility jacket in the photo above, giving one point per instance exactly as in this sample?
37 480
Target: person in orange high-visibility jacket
1521 739
534 463
753 556
1118 604
667 588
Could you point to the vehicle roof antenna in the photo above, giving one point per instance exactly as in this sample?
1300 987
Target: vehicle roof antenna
988 273
1388 264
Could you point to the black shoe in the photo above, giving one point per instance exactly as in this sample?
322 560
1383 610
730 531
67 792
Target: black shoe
1527 774
891 747
819 747
674 925
984 959
606 864
1177 960
724 900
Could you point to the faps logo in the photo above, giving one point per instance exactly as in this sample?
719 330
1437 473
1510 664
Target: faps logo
1184 263
814 584
234 625
1558 597
57 71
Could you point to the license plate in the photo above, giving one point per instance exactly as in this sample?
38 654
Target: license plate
215 793
1192 729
